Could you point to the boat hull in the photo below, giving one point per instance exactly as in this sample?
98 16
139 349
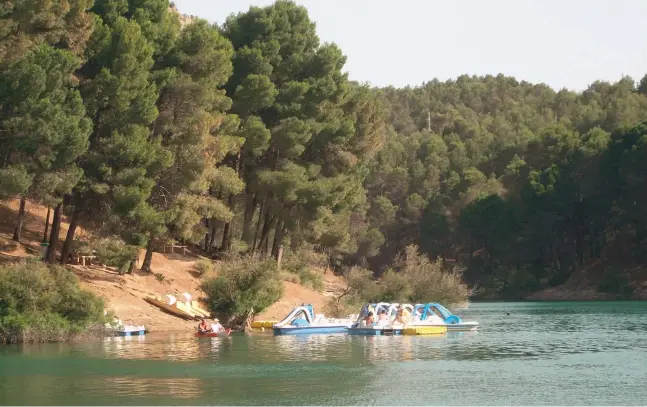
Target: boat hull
374 331
213 334
136 332
309 330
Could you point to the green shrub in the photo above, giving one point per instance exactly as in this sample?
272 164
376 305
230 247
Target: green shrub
40 303
418 280
511 282
616 282
114 252
359 287
203 267
243 284
432 281
290 277
299 263
394 287
311 279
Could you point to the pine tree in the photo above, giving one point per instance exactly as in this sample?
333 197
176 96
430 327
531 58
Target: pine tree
123 158
44 127
193 126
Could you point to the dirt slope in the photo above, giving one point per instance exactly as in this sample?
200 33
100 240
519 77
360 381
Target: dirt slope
124 294
295 295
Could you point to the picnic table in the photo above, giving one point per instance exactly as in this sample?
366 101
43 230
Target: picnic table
81 259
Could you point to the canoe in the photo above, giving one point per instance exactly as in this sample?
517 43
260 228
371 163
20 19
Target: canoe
186 307
195 306
173 309
226 332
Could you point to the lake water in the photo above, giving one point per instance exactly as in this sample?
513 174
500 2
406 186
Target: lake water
524 353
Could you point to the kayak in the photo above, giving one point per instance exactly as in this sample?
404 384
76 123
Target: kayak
213 334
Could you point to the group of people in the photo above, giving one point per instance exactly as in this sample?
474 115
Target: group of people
215 326
402 316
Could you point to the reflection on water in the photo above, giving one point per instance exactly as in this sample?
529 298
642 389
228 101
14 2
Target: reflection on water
523 354
175 347
183 388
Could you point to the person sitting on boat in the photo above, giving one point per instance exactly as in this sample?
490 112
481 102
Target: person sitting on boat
382 318
203 328
215 326
402 316
369 319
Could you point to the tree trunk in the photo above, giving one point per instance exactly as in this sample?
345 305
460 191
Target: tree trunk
250 208
267 223
206 236
226 234
225 244
46 225
214 231
21 217
258 226
278 238
279 257
69 238
131 266
148 258
53 238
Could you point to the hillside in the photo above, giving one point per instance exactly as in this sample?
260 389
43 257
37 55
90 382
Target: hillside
184 19
124 294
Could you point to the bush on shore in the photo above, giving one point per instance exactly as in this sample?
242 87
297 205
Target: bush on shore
418 280
45 304
243 284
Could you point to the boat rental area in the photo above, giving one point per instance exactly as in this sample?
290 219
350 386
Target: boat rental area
381 318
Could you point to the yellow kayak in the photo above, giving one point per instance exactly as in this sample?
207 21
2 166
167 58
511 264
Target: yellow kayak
263 324
173 309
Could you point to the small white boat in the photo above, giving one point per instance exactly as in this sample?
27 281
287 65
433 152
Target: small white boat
130 330
434 313
117 328
302 320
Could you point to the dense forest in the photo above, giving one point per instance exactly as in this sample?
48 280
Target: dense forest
249 137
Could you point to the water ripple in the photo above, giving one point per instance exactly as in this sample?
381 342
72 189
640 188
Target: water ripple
524 353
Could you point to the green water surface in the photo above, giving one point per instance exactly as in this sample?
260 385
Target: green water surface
563 353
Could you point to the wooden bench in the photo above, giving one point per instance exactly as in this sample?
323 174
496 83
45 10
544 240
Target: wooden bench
175 246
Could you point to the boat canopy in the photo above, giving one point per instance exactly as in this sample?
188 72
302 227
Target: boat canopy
423 311
304 311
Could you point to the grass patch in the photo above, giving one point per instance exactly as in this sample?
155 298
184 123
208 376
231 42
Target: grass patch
298 264
203 267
